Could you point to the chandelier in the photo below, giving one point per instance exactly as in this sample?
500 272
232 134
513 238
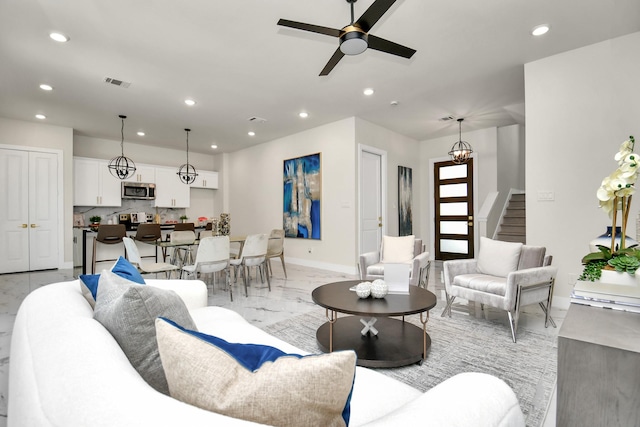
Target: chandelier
187 173
122 167
461 151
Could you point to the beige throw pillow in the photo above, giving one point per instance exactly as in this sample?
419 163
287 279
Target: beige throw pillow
497 258
256 382
397 249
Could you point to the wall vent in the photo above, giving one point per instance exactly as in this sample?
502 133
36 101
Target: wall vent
117 82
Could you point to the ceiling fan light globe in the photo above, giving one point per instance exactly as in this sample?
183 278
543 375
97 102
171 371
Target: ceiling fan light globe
353 43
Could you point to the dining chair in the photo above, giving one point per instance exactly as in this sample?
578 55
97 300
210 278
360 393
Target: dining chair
254 254
275 248
147 233
212 257
108 234
133 255
182 254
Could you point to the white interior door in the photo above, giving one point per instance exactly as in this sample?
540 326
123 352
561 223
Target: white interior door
43 211
28 211
372 224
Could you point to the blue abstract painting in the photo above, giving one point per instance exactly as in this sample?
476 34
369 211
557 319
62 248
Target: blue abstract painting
302 183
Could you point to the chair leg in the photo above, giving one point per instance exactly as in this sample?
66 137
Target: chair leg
547 317
283 267
268 279
514 325
244 275
229 284
447 308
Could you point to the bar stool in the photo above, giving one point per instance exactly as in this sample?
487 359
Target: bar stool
149 233
108 234
185 226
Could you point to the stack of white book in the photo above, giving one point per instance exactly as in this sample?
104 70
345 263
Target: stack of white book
598 294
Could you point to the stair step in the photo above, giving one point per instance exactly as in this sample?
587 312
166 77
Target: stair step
514 220
510 238
518 197
513 229
515 213
516 205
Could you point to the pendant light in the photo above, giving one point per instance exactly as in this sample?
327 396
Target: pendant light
122 167
187 173
461 151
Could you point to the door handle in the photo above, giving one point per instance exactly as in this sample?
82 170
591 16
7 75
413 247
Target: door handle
23 226
33 225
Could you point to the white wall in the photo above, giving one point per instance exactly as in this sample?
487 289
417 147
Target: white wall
256 193
401 151
40 135
484 144
581 105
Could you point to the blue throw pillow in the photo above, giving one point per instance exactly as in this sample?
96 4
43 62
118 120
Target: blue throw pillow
122 267
219 376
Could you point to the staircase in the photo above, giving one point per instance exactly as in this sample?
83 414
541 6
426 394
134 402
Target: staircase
512 228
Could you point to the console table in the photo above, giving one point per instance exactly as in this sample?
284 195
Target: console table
598 368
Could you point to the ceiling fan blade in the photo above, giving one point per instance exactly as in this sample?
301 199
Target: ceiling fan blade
337 56
387 46
309 27
373 14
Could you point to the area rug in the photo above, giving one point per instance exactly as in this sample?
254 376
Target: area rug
461 344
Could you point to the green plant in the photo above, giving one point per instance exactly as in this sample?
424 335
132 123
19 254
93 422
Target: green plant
623 264
95 218
183 217
624 260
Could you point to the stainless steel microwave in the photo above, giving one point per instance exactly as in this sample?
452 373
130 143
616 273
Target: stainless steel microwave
138 190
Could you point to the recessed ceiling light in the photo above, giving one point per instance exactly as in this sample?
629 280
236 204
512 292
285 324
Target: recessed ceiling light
190 102
46 87
59 37
303 114
41 116
214 146
540 30
368 91
251 133
140 133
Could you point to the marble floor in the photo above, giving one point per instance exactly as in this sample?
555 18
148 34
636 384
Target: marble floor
288 297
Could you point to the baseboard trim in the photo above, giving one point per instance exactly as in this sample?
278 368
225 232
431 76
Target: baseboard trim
338 268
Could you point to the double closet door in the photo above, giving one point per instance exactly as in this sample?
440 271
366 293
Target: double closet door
28 210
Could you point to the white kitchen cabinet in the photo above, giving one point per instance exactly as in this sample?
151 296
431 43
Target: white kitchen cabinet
93 183
170 191
144 173
206 179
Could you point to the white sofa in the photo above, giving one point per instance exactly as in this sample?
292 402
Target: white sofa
67 370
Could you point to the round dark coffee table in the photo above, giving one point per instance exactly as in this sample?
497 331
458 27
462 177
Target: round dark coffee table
379 342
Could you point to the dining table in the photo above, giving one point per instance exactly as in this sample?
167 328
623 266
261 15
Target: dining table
166 244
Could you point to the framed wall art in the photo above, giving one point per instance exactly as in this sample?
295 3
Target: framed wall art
302 183
405 196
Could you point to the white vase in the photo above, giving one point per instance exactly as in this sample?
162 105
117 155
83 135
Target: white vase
612 277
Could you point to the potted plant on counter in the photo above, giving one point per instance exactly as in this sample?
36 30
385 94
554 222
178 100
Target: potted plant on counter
95 222
184 218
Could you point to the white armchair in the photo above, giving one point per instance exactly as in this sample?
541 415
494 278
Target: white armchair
405 249
506 276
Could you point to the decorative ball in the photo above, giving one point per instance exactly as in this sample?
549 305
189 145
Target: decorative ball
363 290
379 288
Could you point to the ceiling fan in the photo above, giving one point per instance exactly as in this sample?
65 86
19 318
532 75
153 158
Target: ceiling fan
355 37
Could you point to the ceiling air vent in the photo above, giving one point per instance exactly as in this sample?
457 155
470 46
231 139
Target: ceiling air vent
117 82
257 119
446 118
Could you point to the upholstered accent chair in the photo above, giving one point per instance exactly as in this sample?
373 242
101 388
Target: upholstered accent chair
397 250
506 276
